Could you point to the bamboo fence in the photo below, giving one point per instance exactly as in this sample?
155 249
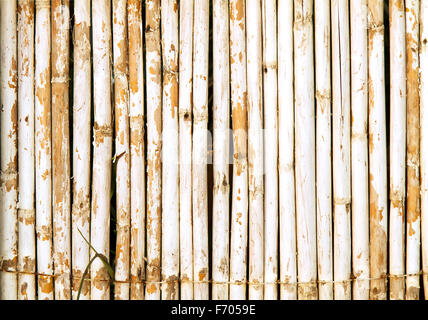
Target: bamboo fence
224 149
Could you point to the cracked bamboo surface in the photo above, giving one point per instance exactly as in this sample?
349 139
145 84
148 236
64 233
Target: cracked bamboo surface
262 149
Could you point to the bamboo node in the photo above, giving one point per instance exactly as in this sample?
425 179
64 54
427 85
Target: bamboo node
42 4
199 117
396 196
9 173
323 95
102 131
256 190
342 201
287 167
44 232
271 65
376 28
27 215
303 20
136 121
120 75
123 227
359 135
413 163
60 79
169 73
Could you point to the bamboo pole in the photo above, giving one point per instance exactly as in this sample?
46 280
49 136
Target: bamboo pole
397 148
220 249
423 59
185 128
270 153
9 152
341 149
154 127
377 152
26 211
305 150
81 211
199 152
136 110
255 150
287 207
170 184
102 154
60 148
359 150
238 95
43 151
323 148
413 125
121 110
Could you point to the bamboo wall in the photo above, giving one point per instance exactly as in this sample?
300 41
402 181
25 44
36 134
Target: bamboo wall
223 149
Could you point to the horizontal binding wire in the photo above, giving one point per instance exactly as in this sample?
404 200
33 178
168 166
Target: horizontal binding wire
384 277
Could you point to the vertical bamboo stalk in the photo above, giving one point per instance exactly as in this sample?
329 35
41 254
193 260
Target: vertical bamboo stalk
121 110
199 152
397 149
270 153
287 207
9 152
341 148
413 123
26 212
377 152
43 151
81 211
305 149
60 148
185 126
136 111
221 119
255 149
423 60
323 148
154 144
359 150
170 184
238 95
101 174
